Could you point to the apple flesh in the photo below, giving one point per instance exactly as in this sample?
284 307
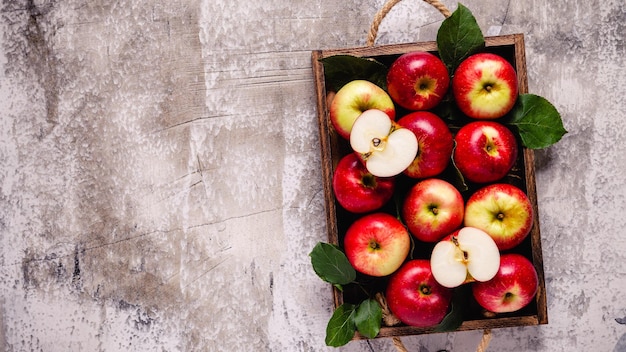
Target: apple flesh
501 210
356 189
435 144
353 99
467 255
415 297
417 80
485 86
485 151
512 288
387 148
432 209
377 244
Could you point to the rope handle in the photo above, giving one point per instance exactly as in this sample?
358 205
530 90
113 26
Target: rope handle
371 38
482 346
380 15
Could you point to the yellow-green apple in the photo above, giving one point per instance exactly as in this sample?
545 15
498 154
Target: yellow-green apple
512 288
415 297
354 98
501 210
435 144
356 189
376 244
386 147
467 255
485 86
485 151
417 80
432 209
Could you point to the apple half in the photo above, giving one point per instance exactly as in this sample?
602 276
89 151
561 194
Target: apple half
467 255
386 148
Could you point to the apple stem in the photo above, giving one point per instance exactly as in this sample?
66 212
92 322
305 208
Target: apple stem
374 245
508 296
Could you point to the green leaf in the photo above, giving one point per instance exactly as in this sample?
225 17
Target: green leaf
537 121
341 69
368 318
340 329
459 36
458 309
331 264
458 180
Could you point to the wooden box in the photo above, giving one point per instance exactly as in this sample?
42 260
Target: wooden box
333 147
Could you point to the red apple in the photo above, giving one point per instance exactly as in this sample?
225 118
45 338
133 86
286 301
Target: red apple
417 80
485 86
377 244
485 151
356 189
415 297
501 210
432 209
435 144
514 286
353 99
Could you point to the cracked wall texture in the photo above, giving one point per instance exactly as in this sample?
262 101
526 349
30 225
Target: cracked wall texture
160 186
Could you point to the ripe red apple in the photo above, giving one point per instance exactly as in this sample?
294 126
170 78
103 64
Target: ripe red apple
415 297
377 244
501 210
485 86
417 80
435 144
432 209
353 99
485 151
513 287
356 189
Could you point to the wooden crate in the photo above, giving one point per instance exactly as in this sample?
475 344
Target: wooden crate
333 147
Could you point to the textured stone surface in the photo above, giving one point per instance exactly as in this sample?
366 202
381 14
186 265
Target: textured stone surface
159 172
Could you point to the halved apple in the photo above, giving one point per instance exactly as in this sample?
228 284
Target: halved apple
387 148
467 255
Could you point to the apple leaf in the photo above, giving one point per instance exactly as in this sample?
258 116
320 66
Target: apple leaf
455 317
537 121
341 327
458 180
368 318
341 69
331 264
459 36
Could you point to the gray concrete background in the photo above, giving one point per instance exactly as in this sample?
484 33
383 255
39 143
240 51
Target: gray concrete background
160 186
